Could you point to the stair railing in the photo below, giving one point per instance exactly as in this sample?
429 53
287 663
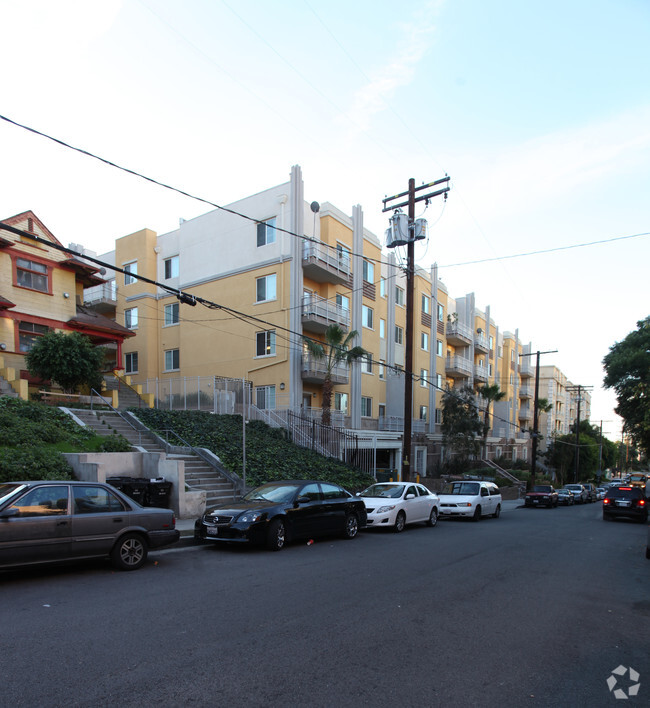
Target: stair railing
504 473
106 403
122 382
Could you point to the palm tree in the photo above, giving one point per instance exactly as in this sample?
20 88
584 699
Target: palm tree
491 393
333 351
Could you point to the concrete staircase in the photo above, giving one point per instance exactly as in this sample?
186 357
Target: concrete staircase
199 475
6 390
127 396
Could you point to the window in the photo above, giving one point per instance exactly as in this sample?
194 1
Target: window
426 304
491 342
43 501
439 382
131 363
368 272
171 267
28 334
441 313
30 274
424 377
366 406
341 402
171 314
172 360
399 335
381 369
366 364
382 287
131 318
423 412
439 347
95 500
265 397
266 343
366 316
399 296
266 232
266 288
424 341
438 416
489 369
131 270
342 301
331 491
382 329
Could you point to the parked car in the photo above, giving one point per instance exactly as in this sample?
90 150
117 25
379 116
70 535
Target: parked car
647 546
565 497
474 499
579 492
627 502
592 492
395 504
601 493
48 521
542 495
278 512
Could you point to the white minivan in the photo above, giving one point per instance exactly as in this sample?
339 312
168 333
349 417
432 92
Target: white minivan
471 498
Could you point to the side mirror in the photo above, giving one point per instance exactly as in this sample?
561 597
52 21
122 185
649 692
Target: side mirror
8 513
410 496
304 499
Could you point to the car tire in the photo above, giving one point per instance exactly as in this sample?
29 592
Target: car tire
477 514
276 535
644 519
497 512
351 526
130 552
400 522
433 517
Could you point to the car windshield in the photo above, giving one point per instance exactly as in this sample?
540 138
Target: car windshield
575 487
469 488
273 492
541 488
564 491
386 491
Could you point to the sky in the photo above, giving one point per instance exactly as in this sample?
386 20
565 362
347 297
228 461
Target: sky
538 111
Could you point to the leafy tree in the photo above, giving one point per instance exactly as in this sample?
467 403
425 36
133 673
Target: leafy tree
70 360
627 371
461 423
490 393
334 351
561 453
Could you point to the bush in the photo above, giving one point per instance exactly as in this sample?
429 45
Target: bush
26 462
115 443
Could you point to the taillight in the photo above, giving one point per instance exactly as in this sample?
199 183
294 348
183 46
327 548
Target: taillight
641 502
173 521
605 501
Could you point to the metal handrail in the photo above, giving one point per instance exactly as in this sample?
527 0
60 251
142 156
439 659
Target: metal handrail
120 380
106 403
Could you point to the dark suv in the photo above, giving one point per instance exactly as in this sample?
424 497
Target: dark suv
629 502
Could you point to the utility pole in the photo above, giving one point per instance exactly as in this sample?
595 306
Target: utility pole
410 297
533 457
576 465
599 473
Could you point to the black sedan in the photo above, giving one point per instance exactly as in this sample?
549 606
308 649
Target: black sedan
278 512
48 521
625 502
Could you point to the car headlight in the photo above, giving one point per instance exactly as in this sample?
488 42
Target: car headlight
249 517
384 509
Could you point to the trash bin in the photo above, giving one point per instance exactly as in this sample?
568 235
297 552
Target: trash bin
131 486
117 482
158 493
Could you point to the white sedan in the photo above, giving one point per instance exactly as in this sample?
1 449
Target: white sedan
396 504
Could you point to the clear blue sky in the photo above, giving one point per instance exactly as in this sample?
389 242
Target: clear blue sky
539 112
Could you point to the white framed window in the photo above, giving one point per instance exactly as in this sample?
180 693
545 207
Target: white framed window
439 347
366 316
426 304
489 369
491 342
343 302
171 267
382 287
439 382
512 379
438 415
266 232
131 270
441 313
172 314
343 253
131 363
366 364
382 329
381 369
366 406
421 461
266 288
424 341
423 412
131 318
341 402
424 377
399 296
399 335
172 360
368 272
265 397
265 343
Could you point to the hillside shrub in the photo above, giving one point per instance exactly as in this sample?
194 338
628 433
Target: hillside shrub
27 462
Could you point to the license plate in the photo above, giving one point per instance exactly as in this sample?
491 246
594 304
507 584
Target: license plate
212 531
535 501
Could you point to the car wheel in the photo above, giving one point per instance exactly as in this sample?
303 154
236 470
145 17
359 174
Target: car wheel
644 519
433 517
351 526
400 522
477 514
130 552
497 512
276 536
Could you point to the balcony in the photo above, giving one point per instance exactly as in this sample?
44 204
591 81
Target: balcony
526 370
459 335
480 373
101 298
526 392
525 414
458 367
314 370
318 314
481 343
325 264
395 423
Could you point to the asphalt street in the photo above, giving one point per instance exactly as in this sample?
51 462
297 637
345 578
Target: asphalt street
535 608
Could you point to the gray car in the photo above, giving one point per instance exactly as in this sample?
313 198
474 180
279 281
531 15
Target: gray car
580 494
49 521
